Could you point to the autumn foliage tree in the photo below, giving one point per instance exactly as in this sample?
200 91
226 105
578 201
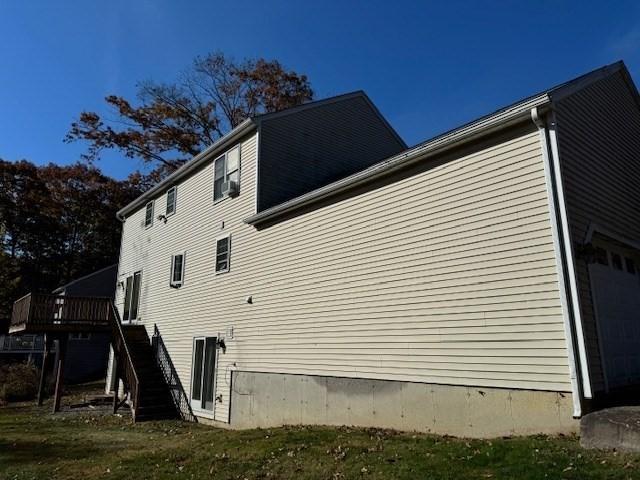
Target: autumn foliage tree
170 123
57 223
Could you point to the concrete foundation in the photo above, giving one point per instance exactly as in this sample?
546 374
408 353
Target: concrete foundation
270 400
612 429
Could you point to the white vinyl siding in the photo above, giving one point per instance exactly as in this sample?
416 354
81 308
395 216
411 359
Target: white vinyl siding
447 276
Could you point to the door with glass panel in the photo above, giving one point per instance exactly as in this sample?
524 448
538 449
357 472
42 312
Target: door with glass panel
132 297
203 374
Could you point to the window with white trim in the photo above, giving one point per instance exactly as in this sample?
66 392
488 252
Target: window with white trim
223 253
226 168
148 214
132 296
172 196
177 270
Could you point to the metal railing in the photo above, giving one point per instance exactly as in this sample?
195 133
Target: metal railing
180 400
22 343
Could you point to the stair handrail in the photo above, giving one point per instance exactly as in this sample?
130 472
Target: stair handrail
134 382
178 395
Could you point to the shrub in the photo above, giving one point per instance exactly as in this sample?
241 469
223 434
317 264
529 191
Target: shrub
18 382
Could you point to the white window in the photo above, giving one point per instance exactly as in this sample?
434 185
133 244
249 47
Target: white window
177 270
223 254
172 196
226 169
132 296
148 215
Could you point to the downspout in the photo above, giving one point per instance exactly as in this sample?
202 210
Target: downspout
560 233
570 258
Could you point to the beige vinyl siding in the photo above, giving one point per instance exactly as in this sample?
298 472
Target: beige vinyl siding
599 143
447 276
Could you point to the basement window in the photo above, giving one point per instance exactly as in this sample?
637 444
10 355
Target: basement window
223 254
177 270
171 201
148 215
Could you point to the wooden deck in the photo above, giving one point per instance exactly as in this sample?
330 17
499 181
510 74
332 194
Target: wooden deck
44 313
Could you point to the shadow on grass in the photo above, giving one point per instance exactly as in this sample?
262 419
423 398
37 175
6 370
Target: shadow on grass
26 452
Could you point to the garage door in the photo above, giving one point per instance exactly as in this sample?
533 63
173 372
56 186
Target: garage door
615 284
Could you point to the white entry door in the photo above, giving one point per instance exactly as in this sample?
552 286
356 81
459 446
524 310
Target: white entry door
615 284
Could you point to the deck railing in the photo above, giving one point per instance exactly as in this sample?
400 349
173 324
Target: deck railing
59 314
42 312
125 368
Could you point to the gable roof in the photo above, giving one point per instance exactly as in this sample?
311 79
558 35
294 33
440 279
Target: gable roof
504 117
247 126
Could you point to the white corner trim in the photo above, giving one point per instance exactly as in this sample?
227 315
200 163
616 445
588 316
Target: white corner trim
571 263
256 170
564 300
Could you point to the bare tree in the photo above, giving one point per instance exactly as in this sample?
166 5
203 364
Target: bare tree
173 122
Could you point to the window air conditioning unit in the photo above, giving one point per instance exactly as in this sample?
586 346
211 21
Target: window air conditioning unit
230 188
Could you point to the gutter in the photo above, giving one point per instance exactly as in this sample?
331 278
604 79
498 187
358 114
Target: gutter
490 124
188 167
566 272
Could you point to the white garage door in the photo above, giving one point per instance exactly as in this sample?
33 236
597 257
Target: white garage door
615 284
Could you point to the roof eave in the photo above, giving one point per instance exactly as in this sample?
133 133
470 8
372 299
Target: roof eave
216 148
485 126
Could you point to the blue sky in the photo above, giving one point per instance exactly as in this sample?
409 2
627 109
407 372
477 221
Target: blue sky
429 66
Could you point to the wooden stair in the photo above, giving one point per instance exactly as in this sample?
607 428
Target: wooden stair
153 400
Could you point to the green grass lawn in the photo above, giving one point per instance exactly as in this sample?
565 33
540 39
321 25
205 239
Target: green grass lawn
36 444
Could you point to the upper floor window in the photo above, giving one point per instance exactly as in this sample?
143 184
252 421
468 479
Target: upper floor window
177 270
223 254
172 196
226 174
148 215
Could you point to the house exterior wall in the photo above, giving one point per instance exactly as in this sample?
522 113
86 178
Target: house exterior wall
87 358
99 284
304 150
599 145
268 400
445 276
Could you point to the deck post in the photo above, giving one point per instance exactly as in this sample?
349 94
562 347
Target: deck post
62 353
43 373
